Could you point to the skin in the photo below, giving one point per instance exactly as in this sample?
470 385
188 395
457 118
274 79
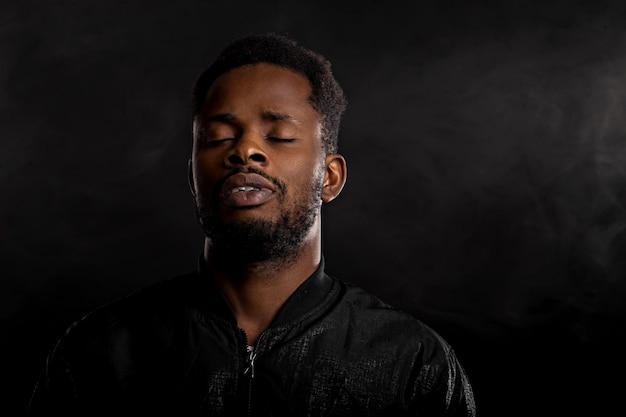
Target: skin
247 114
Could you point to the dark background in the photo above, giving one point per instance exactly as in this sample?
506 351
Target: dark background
487 174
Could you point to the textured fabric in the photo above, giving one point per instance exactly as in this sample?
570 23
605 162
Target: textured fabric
174 347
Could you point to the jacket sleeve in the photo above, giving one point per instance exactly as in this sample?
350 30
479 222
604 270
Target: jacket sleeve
440 387
55 390
458 390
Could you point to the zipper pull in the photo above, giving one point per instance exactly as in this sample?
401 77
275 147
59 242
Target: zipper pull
251 359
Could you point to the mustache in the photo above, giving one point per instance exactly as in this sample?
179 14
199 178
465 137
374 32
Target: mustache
280 185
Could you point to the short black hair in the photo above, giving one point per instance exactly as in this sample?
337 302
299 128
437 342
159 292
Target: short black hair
327 97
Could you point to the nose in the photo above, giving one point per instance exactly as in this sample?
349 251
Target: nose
246 150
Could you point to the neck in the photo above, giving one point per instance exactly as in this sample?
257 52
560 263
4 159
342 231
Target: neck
256 291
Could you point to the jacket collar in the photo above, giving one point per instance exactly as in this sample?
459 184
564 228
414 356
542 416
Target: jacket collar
306 298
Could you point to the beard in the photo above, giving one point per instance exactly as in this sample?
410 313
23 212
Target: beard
278 241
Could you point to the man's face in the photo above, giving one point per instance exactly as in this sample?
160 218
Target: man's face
258 164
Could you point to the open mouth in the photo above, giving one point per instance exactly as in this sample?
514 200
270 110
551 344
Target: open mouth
246 190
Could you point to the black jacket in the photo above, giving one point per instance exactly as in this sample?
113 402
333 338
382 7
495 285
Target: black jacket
175 348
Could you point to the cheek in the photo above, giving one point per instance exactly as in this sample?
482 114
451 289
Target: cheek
208 161
306 177
204 173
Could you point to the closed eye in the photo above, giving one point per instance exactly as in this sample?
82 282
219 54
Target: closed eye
214 142
275 139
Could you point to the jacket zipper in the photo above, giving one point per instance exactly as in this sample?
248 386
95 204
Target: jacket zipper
251 353
250 362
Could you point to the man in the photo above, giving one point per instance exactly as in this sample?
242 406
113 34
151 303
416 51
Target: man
260 329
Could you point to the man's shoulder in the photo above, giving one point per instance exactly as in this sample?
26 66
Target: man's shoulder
161 295
377 315
362 300
157 302
376 319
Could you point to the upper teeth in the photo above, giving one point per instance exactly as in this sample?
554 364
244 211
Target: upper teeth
240 189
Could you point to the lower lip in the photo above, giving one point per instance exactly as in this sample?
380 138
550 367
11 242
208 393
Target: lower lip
248 198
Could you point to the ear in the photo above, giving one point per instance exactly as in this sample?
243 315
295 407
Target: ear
334 177
190 179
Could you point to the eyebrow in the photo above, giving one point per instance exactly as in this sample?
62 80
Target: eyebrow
275 116
266 115
223 117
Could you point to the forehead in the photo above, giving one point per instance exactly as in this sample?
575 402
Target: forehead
261 88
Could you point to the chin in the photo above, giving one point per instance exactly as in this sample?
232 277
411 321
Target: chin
248 215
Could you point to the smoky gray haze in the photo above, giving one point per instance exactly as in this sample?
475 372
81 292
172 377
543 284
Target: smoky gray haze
486 193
